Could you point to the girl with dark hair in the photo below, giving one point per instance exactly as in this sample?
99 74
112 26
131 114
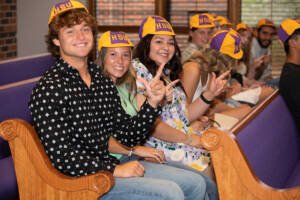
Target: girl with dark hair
173 133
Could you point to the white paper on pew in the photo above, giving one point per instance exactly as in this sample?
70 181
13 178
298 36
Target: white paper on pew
249 96
226 122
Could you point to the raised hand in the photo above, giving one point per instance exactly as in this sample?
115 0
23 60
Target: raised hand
155 89
216 85
258 62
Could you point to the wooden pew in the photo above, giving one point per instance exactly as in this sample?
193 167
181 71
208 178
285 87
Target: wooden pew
260 157
37 178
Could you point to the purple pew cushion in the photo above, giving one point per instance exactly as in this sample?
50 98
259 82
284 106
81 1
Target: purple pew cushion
8 184
271 144
4 149
294 179
24 68
14 102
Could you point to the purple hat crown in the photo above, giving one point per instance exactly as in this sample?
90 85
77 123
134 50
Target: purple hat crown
237 43
161 24
62 6
283 36
204 20
217 41
118 37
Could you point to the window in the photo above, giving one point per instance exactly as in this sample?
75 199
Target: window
277 11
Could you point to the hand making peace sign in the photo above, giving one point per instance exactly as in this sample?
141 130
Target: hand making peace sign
155 89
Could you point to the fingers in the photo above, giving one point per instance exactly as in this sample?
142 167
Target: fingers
213 76
143 81
159 71
159 156
204 118
129 169
222 76
172 84
137 169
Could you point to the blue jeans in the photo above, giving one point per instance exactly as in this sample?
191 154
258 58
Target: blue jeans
160 182
211 187
274 83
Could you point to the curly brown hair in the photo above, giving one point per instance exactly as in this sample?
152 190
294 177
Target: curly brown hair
69 18
213 61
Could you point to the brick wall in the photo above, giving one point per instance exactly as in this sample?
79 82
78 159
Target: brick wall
180 10
8 27
123 12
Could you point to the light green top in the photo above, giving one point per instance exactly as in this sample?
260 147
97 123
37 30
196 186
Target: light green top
128 101
128 104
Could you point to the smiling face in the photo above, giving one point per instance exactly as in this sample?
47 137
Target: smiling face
162 48
117 62
265 36
201 36
74 42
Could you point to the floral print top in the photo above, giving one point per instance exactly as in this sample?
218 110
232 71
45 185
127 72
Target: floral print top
175 114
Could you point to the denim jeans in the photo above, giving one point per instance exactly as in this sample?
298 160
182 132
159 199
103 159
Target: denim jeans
211 187
160 182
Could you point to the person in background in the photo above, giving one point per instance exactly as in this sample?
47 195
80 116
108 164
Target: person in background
173 134
225 23
289 35
201 29
228 43
76 109
260 67
245 33
196 74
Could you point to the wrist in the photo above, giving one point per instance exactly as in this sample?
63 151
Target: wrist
131 152
188 139
206 97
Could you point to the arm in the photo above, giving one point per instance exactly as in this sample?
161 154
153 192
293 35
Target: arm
190 78
167 133
141 151
199 106
132 131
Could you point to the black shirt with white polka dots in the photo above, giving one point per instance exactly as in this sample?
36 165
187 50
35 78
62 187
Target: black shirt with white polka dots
74 121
